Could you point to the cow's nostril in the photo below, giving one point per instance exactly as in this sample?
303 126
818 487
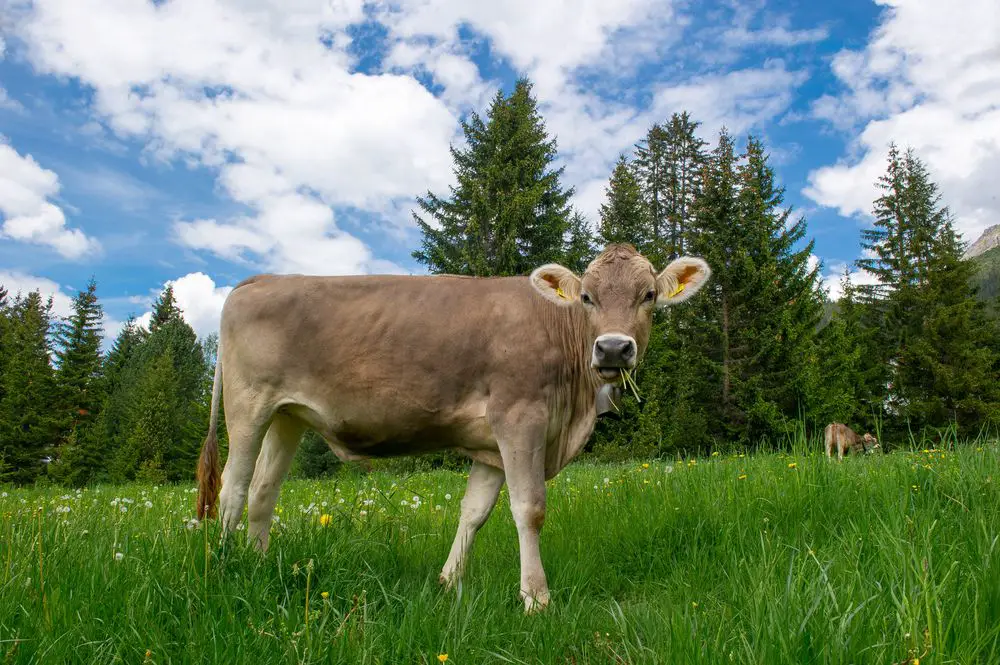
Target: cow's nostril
628 351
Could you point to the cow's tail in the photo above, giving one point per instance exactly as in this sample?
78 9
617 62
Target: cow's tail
209 478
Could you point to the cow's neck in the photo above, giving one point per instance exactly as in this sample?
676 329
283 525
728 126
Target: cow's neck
575 399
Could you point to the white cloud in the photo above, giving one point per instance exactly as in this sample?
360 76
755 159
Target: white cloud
780 35
62 303
28 214
18 282
199 300
249 89
258 96
929 79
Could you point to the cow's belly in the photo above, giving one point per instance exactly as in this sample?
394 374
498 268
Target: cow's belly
400 431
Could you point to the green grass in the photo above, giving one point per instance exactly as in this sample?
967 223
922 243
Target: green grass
768 559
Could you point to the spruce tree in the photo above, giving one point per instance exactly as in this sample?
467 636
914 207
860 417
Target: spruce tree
932 332
508 213
80 383
624 216
5 340
28 422
757 321
580 247
653 167
137 365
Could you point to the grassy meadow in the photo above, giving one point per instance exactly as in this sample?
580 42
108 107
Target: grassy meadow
776 558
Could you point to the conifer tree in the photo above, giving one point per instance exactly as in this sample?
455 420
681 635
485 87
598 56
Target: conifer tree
580 244
508 213
28 425
624 216
80 384
933 346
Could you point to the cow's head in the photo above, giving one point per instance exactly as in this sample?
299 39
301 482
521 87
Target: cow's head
618 292
870 443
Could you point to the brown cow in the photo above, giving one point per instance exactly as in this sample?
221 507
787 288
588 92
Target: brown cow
506 370
842 438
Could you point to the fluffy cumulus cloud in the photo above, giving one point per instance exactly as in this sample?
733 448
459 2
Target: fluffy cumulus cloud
268 93
29 215
265 93
929 79
199 300
20 283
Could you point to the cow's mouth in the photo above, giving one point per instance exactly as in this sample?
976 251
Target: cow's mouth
609 373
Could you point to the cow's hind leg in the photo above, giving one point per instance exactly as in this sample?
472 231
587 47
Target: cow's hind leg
280 444
246 427
481 494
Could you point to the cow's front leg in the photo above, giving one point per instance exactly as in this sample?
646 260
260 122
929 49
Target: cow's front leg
522 447
481 494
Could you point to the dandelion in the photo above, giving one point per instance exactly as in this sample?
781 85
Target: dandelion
324 595
123 508
742 477
793 465
645 465
668 469
437 507
148 504
715 453
119 556
442 657
325 519
362 513
694 605
447 497
607 480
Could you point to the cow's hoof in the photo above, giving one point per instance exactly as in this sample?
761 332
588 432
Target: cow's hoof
450 579
535 604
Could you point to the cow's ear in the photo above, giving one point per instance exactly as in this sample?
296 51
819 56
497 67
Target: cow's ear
680 280
556 283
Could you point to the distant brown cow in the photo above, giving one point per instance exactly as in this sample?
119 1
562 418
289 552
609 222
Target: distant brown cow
509 371
842 438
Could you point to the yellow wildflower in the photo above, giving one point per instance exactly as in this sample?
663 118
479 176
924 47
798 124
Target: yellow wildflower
325 595
792 465
694 605
742 477
645 465
715 453
442 657
325 520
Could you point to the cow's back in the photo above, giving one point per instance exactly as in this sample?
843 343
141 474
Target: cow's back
389 364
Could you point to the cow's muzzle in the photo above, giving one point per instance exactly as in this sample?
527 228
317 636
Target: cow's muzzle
613 353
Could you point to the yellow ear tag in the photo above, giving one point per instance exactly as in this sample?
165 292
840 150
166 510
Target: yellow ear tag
678 290
560 292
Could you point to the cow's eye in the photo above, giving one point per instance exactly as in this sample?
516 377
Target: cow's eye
585 299
650 296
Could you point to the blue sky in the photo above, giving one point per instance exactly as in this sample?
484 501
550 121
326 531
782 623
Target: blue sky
201 141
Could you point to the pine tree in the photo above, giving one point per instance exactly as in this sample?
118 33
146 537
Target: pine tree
80 383
5 340
653 167
580 244
757 322
930 331
508 213
28 425
137 364
624 216
165 309
833 388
